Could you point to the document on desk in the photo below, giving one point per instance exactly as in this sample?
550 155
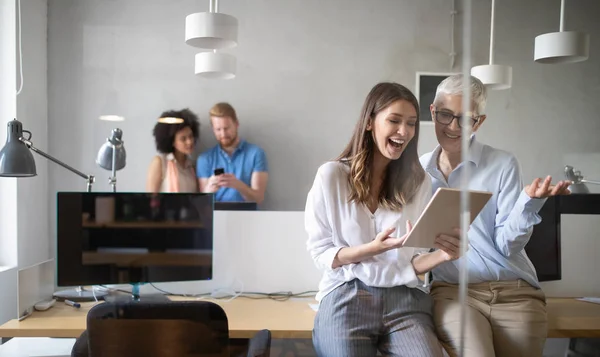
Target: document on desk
595 300
442 214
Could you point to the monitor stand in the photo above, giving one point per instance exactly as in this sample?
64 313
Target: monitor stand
79 294
136 297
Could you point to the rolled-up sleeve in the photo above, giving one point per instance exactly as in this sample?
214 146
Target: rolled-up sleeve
316 222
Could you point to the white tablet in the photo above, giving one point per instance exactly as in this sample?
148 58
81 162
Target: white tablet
442 214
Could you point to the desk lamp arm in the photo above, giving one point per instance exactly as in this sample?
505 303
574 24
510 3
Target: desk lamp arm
590 181
90 179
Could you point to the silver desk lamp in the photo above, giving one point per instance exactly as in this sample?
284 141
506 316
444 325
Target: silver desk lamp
578 180
17 161
112 156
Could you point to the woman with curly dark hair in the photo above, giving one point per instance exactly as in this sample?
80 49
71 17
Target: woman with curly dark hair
173 169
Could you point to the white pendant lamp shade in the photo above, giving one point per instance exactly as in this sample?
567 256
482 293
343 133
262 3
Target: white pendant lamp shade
215 65
211 30
494 76
562 47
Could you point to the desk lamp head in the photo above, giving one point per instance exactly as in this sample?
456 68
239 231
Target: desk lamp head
578 185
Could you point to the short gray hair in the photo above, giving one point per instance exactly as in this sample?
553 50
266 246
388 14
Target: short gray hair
453 85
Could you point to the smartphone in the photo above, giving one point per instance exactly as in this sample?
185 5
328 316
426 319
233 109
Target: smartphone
219 171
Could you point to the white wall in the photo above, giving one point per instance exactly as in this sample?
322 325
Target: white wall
35 283
24 231
8 111
257 251
8 186
8 294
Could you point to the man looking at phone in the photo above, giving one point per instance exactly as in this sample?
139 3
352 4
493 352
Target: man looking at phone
234 169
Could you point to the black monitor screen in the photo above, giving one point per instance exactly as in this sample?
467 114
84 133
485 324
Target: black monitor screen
236 206
543 248
128 238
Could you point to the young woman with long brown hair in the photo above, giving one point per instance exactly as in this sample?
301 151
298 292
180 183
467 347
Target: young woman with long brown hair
357 216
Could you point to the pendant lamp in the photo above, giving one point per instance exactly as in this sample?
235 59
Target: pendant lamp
211 30
562 46
213 65
493 76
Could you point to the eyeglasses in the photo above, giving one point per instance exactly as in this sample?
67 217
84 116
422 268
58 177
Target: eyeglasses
446 118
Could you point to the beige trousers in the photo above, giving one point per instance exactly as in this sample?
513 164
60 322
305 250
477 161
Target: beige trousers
504 319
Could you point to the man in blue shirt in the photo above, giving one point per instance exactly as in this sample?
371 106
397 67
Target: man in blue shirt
506 313
244 166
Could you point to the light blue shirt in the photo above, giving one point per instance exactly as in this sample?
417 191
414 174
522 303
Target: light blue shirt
243 162
497 237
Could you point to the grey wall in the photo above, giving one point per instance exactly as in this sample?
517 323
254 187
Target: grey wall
34 244
304 68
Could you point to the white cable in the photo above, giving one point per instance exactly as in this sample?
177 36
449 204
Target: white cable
94 293
562 16
492 25
228 292
20 49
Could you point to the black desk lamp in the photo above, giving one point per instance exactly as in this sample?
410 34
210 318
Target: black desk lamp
17 161
112 156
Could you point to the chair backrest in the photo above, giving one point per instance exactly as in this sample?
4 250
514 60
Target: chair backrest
158 329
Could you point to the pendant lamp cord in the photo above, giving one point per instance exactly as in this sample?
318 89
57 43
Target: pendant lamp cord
562 15
214 6
20 49
492 25
453 13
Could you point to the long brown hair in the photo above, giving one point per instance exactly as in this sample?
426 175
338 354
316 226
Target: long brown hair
404 176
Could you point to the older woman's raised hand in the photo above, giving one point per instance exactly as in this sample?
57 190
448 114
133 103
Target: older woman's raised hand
539 189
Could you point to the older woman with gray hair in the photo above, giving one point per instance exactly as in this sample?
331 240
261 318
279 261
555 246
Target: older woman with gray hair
506 312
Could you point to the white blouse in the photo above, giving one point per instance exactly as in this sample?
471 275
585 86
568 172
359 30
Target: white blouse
332 222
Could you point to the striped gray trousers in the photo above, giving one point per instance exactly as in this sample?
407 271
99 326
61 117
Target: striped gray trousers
359 320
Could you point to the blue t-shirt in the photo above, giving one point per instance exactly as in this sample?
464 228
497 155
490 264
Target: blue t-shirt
245 160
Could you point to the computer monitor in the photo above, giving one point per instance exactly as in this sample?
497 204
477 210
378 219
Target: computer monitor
543 248
133 238
236 206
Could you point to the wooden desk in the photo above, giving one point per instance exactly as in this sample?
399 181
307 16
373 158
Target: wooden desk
288 319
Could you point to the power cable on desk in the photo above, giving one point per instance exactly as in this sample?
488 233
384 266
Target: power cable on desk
278 296
114 289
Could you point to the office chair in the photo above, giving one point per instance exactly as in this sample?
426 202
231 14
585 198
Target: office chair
159 329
